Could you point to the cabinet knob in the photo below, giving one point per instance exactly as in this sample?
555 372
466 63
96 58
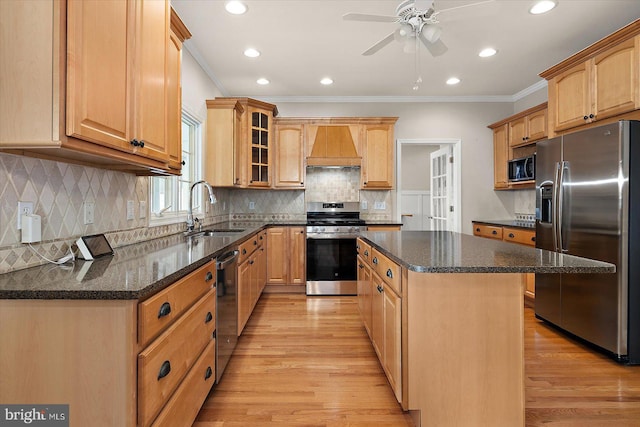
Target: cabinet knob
477 230
301 183
379 288
136 143
244 251
360 266
494 232
164 369
165 309
183 163
209 317
511 235
366 253
375 260
251 262
208 277
586 117
524 138
591 116
255 243
533 239
141 143
389 273
208 373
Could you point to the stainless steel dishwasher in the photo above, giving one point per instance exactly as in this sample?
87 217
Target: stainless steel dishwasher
226 310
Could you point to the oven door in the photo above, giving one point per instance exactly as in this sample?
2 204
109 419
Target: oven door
331 264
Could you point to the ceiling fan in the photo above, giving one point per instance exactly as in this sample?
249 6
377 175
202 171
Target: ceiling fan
416 20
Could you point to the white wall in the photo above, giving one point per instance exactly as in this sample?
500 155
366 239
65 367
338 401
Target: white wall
466 121
197 87
416 166
531 100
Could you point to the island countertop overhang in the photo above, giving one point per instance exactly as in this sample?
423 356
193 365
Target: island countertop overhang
451 252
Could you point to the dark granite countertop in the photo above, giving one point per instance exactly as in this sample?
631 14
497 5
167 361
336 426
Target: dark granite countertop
449 252
528 225
134 272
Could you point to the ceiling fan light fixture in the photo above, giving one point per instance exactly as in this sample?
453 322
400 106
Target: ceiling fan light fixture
543 6
326 81
487 52
235 7
251 53
453 81
432 33
262 81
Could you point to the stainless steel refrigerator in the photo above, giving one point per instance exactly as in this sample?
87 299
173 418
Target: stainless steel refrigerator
588 205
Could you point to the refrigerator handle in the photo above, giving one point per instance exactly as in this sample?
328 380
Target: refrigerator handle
554 209
562 166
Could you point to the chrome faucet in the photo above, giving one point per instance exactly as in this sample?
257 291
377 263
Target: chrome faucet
212 199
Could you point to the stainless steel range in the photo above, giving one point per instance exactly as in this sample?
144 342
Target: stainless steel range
332 229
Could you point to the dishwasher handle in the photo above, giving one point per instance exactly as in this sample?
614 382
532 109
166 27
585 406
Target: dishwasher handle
227 259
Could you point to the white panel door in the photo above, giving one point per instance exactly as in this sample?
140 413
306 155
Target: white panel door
441 185
415 210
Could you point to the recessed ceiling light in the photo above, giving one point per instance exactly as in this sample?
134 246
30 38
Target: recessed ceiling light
326 81
543 6
235 7
485 53
262 81
453 81
251 53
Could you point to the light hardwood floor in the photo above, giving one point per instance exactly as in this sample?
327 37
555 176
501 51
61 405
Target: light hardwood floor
308 362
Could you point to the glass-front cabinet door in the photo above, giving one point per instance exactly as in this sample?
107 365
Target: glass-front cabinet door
260 145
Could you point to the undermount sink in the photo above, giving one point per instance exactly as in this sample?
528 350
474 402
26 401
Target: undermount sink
214 233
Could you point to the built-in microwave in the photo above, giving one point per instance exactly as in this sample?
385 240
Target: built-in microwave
522 169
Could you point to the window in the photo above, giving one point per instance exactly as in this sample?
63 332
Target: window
169 195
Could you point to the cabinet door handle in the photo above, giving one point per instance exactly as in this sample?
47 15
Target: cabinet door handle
533 239
494 232
183 163
389 273
379 288
135 142
141 144
207 373
209 317
366 253
244 251
358 247
511 235
208 277
586 117
165 309
361 266
477 230
375 260
251 262
591 116
255 243
164 369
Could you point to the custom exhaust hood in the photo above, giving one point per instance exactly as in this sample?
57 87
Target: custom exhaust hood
334 147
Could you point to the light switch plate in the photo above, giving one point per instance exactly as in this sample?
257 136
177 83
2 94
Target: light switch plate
130 214
89 210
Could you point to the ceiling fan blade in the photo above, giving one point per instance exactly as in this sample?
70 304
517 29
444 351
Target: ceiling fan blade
368 18
463 6
382 43
422 5
436 48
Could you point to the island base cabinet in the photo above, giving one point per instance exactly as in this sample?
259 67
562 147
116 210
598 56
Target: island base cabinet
76 352
465 344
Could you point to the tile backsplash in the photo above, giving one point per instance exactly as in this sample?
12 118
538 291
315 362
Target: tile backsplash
59 190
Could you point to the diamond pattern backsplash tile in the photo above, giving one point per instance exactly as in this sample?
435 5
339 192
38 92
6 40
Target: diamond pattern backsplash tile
332 185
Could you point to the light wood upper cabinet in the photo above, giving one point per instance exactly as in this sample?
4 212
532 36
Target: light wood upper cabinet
117 75
289 156
90 57
179 33
378 157
239 142
528 129
500 156
600 82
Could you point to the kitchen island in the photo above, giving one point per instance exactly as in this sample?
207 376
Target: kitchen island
460 334
77 335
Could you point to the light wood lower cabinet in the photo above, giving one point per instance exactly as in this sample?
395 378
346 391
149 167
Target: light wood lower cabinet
87 353
286 263
380 303
251 276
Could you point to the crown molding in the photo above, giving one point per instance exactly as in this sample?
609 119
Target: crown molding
382 99
531 89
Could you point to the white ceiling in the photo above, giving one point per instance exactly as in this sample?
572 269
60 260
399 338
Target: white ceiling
302 41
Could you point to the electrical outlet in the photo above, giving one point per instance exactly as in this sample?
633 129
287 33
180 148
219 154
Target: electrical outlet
24 208
364 205
380 205
143 209
130 214
89 210
252 205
